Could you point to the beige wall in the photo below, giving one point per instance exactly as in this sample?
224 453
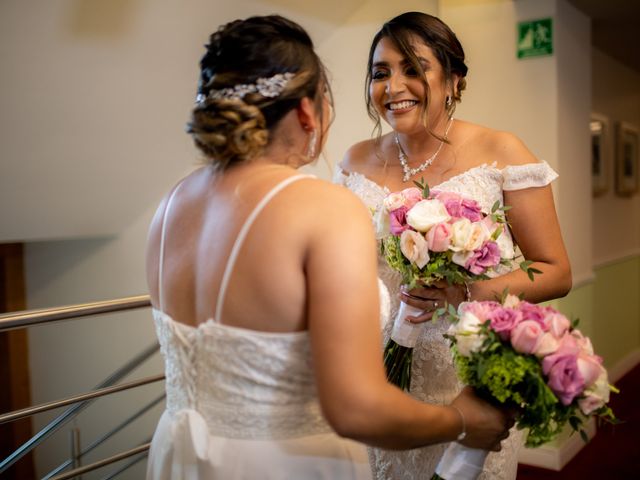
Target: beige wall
140 77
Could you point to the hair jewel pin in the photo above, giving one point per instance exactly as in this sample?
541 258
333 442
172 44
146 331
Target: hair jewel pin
266 86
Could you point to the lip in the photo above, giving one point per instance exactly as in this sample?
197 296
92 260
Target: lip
410 104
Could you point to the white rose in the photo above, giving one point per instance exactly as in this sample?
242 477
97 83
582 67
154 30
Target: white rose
511 301
505 245
427 213
467 236
596 395
414 247
393 201
466 331
461 258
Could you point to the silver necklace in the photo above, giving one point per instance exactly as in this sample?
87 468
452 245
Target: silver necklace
410 172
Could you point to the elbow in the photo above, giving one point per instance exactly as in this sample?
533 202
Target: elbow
565 280
351 420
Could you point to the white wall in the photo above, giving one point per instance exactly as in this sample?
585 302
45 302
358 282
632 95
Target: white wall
151 68
616 219
543 100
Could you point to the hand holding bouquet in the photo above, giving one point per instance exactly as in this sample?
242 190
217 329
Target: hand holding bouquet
528 357
433 236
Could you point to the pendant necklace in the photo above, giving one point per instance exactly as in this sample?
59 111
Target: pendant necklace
402 157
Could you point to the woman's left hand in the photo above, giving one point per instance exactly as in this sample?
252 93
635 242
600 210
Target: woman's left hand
431 298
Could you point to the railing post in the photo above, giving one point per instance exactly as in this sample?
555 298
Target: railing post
74 438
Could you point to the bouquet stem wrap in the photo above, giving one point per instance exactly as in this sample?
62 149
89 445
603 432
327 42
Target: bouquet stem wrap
398 352
405 333
460 463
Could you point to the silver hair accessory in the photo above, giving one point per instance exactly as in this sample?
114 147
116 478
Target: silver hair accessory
266 86
311 146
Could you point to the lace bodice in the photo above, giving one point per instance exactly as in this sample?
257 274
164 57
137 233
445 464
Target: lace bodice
246 384
433 376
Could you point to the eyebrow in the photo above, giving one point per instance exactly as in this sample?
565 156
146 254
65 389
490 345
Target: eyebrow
421 60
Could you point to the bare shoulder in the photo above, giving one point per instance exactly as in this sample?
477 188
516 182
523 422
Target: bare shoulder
358 156
507 149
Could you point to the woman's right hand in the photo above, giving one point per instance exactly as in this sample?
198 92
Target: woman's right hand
486 426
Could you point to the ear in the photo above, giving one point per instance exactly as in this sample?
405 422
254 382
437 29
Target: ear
454 84
307 114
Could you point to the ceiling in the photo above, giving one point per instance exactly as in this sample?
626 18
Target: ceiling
615 28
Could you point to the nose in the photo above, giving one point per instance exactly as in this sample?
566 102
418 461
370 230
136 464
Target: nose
395 84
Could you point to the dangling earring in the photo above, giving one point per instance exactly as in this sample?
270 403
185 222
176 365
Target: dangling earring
311 144
448 102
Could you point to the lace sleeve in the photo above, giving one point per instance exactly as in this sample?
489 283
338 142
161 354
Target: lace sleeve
519 177
339 177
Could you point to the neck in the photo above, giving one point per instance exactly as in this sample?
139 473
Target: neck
417 146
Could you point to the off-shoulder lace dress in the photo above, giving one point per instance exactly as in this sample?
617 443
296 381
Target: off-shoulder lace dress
242 404
433 376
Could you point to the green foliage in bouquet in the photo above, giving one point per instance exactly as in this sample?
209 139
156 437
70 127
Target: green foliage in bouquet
503 376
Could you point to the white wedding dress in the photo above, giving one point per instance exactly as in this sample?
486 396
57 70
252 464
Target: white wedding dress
433 376
242 404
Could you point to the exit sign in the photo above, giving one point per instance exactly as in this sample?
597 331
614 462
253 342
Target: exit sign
535 38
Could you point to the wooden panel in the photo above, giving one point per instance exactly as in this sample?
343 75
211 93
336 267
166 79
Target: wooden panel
14 362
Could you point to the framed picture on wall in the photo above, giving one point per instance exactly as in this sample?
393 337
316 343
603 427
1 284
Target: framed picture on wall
627 144
600 153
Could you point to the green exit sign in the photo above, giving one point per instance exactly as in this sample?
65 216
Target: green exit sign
535 38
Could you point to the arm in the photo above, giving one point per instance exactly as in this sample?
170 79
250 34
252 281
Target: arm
535 227
343 312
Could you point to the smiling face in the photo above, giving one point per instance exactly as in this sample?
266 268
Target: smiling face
401 93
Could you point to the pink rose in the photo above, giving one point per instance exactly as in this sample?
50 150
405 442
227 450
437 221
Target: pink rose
503 321
411 196
557 323
564 376
484 258
590 367
584 343
482 310
547 345
398 220
525 336
460 207
439 237
533 312
568 346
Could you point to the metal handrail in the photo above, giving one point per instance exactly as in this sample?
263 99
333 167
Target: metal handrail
44 407
74 410
103 462
96 443
124 467
28 318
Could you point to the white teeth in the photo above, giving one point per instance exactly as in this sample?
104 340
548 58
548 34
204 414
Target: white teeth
401 105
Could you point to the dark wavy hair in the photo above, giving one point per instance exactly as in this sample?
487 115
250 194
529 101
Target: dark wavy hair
228 131
402 30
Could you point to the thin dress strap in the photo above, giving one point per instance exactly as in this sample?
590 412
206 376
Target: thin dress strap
241 236
162 235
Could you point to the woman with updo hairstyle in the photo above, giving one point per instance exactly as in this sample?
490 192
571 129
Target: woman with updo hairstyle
267 320
415 78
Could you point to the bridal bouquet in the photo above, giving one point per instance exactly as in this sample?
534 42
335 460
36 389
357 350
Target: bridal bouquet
433 236
529 357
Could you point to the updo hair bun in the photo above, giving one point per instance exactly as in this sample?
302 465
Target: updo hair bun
242 52
228 129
